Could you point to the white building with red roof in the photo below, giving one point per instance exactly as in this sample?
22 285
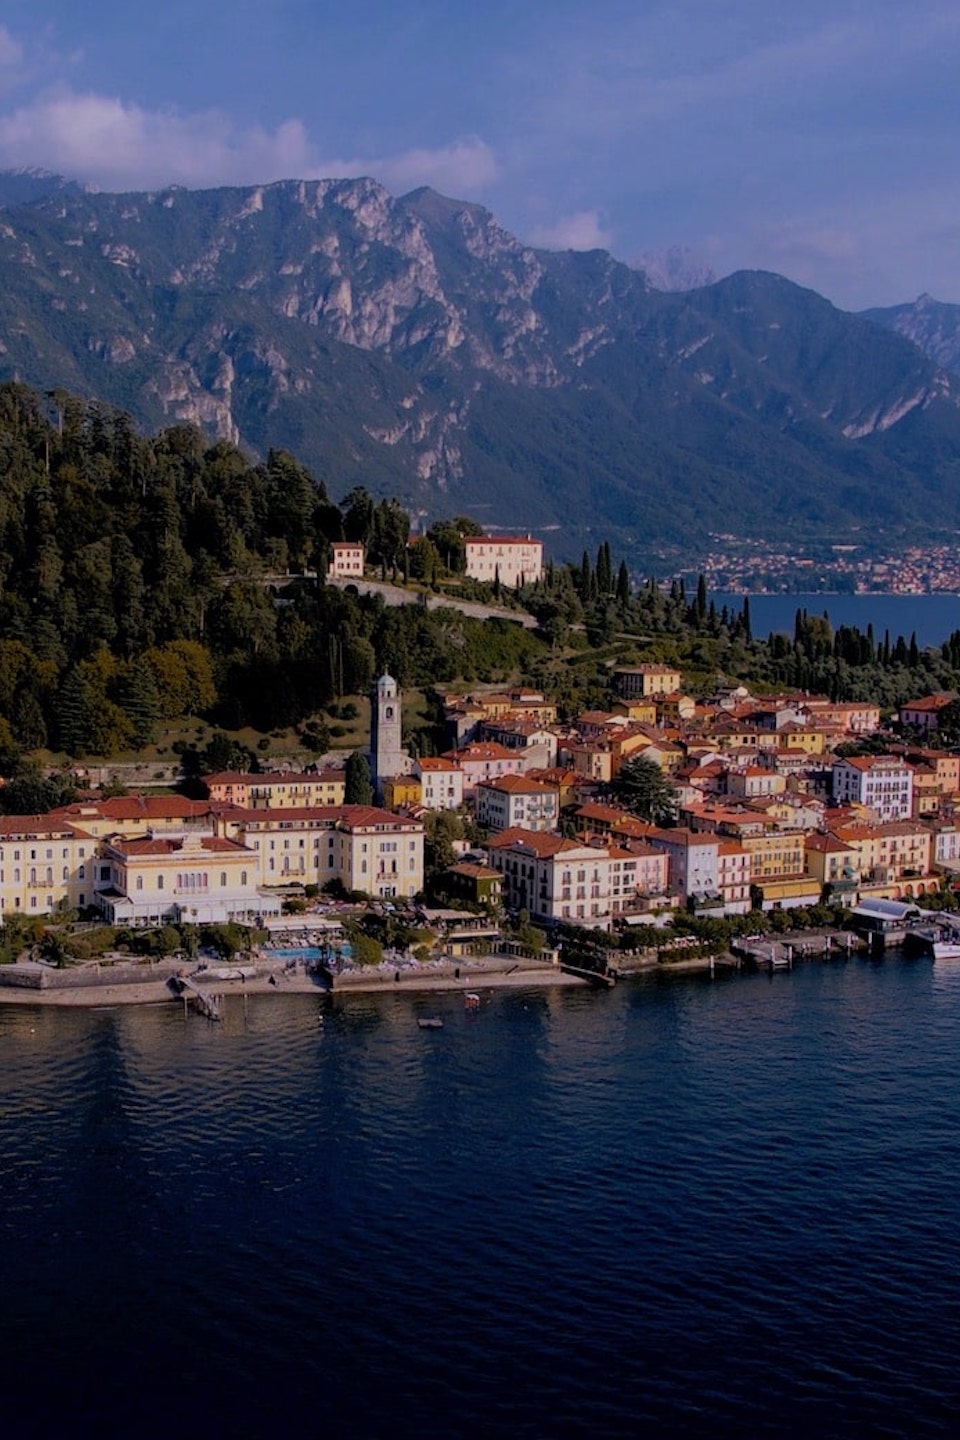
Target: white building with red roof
485 760
511 559
346 560
441 783
884 783
554 878
924 714
517 800
190 879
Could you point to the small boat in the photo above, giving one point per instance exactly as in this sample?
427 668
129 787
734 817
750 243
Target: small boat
941 934
471 1000
430 1022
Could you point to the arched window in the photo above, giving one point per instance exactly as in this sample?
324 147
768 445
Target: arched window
243 877
223 877
139 882
159 882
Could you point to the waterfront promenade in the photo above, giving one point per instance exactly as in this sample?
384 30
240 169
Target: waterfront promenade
265 977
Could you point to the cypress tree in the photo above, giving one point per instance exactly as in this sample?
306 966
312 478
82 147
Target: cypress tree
623 584
358 786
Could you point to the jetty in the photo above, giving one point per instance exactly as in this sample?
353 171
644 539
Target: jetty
599 979
765 953
203 1001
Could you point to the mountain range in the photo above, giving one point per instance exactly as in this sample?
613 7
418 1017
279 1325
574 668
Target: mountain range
414 346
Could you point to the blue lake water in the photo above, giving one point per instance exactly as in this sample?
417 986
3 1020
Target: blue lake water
683 1208
932 617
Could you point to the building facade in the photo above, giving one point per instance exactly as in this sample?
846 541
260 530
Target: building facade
567 880
882 782
190 879
517 800
509 559
441 783
346 561
46 864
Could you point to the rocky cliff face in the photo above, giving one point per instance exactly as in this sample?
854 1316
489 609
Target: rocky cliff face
932 325
414 345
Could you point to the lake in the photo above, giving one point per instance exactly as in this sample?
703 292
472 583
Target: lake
684 1207
933 617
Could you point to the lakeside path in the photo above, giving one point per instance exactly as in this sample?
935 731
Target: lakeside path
483 975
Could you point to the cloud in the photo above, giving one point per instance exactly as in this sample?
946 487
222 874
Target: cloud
582 230
463 168
110 143
11 51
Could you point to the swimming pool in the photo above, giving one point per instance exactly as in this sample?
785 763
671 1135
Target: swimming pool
311 953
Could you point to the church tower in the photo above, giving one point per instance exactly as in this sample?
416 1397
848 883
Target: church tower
387 756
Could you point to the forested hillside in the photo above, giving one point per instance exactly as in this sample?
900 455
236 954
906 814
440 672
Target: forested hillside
139 585
134 586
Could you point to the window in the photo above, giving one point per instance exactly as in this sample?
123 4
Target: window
223 877
159 882
139 882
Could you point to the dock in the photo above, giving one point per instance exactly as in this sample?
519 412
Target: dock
599 979
767 954
780 954
203 1001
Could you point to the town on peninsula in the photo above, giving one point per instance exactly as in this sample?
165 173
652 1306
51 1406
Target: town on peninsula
254 735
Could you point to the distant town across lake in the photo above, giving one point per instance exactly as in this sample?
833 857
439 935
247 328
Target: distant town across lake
932 617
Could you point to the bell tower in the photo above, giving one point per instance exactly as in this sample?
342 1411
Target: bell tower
387 756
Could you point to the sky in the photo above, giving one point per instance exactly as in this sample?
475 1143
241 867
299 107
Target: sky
817 139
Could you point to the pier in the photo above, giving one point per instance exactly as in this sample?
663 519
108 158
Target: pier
203 1001
781 954
599 979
